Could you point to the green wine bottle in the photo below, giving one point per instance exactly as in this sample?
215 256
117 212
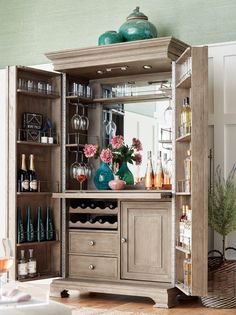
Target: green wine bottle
20 228
49 225
40 227
30 227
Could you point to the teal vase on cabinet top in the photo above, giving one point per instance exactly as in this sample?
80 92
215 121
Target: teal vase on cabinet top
110 37
125 174
102 176
137 27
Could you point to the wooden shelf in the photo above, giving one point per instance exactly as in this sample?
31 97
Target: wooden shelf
38 143
185 138
41 277
43 243
97 210
36 94
34 193
183 193
96 225
183 250
186 54
165 141
185 82
181 287
85 100
130 99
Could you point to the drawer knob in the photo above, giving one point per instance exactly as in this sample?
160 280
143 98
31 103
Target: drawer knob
123 240
91 243
91 267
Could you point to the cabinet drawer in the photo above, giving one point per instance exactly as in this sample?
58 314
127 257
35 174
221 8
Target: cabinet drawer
93 267
93 243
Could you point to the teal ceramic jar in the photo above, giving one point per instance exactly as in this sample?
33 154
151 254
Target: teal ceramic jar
110 37
137 27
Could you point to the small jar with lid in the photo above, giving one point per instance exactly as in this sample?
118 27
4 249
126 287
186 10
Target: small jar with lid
110 37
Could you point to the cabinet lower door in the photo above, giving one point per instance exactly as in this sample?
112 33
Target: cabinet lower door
146 241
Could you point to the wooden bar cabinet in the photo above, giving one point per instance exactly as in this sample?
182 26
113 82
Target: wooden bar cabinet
137 252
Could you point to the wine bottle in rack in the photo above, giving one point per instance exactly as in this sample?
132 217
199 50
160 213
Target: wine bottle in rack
49 225
20 227
22 266
83 204
149 176
110 204
30 228
23 178
31 265
40 227
33 184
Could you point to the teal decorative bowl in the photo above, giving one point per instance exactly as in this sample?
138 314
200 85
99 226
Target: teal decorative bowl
137 27
110 37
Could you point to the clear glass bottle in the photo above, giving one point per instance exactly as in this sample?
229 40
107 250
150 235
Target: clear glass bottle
159 174
33 184
187 241
22 266
149 176
187 266
182 220
185 117
30 228
165 170
23 179
31 265
187 171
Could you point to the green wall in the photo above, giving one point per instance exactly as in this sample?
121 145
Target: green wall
29 28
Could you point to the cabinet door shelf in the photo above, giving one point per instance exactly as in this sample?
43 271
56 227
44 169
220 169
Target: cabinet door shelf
183 250
37 94
185 82
183 193
181 286
184 138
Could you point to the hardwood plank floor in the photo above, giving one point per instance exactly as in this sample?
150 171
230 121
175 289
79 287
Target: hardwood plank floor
137 304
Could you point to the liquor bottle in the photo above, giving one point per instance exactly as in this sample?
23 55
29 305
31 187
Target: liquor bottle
33 184
181 226
31 265
20 228
22 266
149 176
159 174
185 117
49 225
187 266
30 227
23 178
40 227
187 229
187 171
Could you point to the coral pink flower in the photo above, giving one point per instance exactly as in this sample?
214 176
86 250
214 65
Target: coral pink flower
106 155
136 143
117 142
138 158
90 150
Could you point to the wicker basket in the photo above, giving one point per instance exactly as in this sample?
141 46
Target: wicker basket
221 282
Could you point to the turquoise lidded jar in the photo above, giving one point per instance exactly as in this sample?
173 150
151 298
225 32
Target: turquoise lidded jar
102 176
125 174
137 27
110 37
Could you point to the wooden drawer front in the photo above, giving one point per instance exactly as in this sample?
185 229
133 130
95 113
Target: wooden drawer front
93 267
93 243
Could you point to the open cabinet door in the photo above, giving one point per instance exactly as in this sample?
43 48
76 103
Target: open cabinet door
190 77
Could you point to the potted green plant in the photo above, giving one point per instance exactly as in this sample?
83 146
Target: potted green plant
222 219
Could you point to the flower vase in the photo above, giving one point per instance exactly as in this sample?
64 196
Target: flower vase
102 176
125 174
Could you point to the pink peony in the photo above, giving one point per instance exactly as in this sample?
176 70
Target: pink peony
138 158
106 155
136 143
90 150
117 142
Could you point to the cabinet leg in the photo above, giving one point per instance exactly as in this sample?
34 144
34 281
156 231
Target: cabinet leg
166 299
65 294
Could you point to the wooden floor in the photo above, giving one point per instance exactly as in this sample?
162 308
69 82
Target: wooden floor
137 304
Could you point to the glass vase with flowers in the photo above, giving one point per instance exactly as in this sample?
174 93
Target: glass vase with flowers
117 154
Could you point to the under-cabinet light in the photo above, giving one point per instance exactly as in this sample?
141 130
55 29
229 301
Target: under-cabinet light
100 71
147 67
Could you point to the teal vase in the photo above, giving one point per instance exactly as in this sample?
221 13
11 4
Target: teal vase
137 27
110 37
102 176
125 174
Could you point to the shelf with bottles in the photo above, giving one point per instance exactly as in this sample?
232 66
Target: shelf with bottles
39 243
93 206
93 221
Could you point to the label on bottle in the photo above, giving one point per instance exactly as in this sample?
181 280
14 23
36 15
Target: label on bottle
25 184
32 267
34 184
22 269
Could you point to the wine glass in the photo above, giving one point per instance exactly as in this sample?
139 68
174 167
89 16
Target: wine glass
76 120
81 174
84 121
6 262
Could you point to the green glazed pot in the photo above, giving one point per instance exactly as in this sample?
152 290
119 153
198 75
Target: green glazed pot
137 27
110 37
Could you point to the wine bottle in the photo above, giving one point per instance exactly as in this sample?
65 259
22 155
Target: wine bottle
187 171
22 266
111 204
187 266
159 174
40 227
32 264
33 184
149 176
83 204
182 220
49 225
30 227
20 228
23 179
